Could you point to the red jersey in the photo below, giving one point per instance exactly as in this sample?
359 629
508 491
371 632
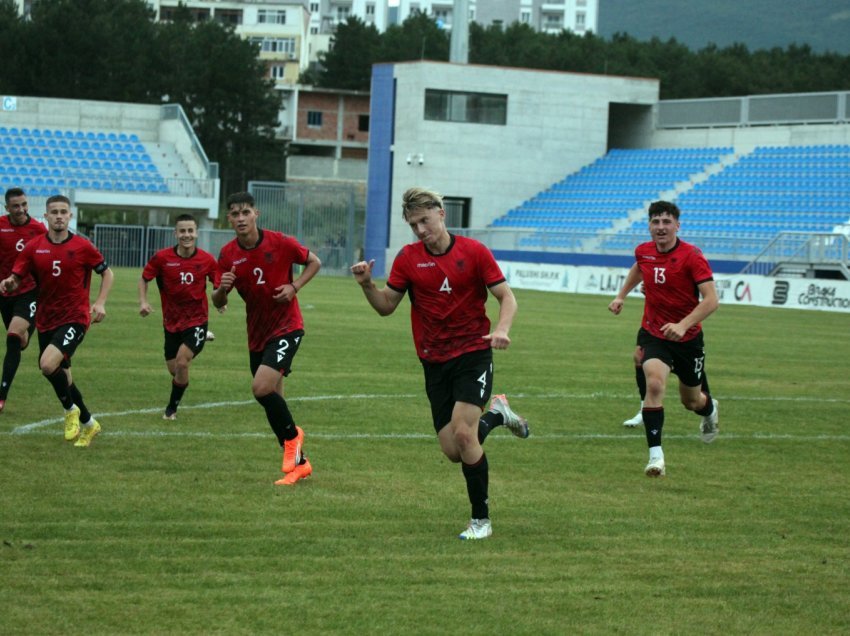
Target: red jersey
260 270
63 274
670 281
13 238
448 294
182 283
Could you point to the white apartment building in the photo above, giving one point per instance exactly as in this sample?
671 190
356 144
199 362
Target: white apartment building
280 29
547 16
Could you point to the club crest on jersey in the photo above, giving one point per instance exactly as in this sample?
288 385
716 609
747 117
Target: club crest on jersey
269 257
460 264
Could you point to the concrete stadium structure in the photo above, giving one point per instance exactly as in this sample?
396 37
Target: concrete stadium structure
489 138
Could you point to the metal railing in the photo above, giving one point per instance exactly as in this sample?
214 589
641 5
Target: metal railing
802 251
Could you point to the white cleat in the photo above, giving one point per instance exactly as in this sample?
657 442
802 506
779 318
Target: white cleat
477 529
210 336
637 420
655 468
709 426
515 423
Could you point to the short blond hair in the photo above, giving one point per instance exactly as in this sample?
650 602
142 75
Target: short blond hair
415 198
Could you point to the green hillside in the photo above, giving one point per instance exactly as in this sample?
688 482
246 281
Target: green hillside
760 24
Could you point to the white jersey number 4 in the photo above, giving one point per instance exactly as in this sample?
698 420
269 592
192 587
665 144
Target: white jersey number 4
446 287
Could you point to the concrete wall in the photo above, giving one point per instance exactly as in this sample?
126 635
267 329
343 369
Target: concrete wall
744 139
86 115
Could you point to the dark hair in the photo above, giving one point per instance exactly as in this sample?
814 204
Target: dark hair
58 198
185 217
657 208
14 192
241 197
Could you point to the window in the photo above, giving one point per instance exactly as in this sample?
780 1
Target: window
228 16
370 9
552 21
363 123
167 14
342 13
580 20
314 30
314 7
271 16
275 45
314 118
525 17
278 71
475 108
581 3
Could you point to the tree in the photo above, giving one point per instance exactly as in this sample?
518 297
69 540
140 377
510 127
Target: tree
218 79
89 49
353 49
418 38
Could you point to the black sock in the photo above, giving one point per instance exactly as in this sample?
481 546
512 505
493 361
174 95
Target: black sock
487 423
177 391
653 422
477 480
640 378
77 397
59 381
278 415
705 388
10 363
708 409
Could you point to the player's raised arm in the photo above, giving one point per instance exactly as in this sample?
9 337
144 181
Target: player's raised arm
384 300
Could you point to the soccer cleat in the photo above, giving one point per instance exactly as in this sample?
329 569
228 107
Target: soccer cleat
301 471
72 424
2 405
709 427
516 424
88 433
477 529
169 415
655 468
210 336
292 451
637 420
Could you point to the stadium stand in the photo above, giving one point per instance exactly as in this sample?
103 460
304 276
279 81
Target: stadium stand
723 195
45 161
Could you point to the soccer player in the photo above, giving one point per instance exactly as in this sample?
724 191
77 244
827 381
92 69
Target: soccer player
447 278
680 294
259 264
62 263
181 274
17 228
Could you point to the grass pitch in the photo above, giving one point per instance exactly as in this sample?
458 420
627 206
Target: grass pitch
175 527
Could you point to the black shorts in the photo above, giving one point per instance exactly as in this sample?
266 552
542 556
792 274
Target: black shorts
685 359
278 353
65 338
467 378
193 337
22 306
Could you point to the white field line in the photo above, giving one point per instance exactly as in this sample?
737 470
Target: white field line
36 427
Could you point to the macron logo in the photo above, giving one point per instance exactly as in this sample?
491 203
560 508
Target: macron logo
240 261
431 264
42 251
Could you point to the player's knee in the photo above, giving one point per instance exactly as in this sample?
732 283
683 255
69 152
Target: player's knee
47 368
655 385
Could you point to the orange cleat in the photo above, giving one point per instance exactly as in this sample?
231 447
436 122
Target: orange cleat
292 451
301 471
